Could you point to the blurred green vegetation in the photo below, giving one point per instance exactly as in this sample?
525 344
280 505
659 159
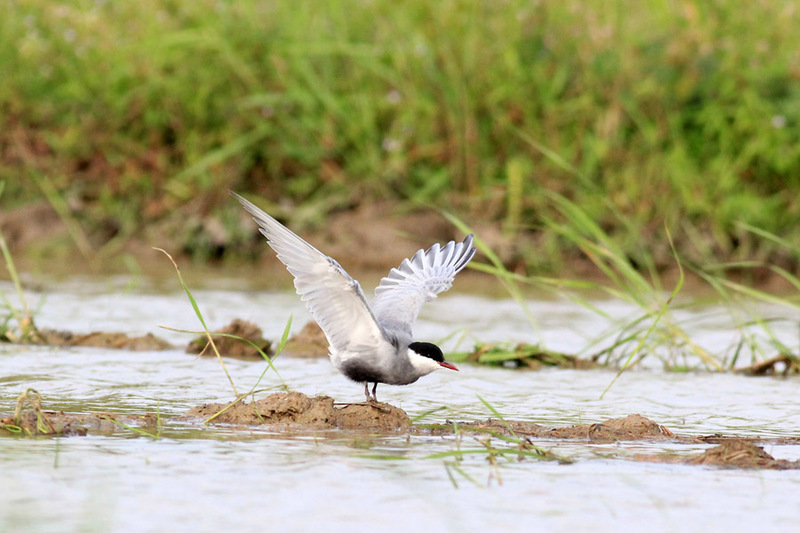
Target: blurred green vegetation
649 115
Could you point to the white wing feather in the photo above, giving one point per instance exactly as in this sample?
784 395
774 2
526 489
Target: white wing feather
332 296
401 295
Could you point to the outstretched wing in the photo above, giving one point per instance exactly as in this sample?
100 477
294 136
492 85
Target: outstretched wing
401 294
332 296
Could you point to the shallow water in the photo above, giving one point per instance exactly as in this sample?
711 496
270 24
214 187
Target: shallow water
217 479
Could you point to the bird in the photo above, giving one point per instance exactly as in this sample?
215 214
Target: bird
369 342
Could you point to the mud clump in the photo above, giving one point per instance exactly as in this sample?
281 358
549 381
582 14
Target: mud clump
631 427
98 339
737 453
730 453
230 347
59 423
30 418
310 342
295 409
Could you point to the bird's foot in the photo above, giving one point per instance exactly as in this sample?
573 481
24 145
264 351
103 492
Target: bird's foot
374 393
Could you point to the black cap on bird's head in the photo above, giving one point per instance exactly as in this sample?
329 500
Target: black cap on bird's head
431 351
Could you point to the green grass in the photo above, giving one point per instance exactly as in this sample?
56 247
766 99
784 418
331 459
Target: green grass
139 113
512 448
643 137
16 323
33 400
655 329
202 320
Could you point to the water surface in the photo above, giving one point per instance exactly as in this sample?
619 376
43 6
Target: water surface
218 479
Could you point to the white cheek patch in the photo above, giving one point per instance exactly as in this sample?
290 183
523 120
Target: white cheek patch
424 365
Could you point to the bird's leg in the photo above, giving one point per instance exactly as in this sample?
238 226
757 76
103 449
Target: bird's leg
372 401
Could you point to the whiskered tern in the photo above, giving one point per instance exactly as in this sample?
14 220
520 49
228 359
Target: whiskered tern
369 343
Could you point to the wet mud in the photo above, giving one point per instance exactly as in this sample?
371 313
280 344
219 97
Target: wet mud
59 423
242 340
98 339
358 234
732 453
228 346
30 418
309 342
630 428
300 411
296 412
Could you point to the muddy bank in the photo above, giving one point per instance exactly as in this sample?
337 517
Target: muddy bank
36 222
357 234
297 410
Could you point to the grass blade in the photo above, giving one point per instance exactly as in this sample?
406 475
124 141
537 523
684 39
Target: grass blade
202 320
